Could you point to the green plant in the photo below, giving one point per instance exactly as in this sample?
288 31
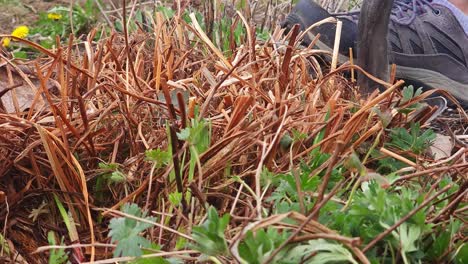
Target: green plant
4 247
126 232
321 251
462 254
387 165
110 175
58 22
56 256
175 198
167 12
286 195
198 135
374 209
67 217
255 248
159 157
409 93
413 140
138 19
225 31
209 236
153 260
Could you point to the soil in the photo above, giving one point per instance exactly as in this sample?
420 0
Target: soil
24 12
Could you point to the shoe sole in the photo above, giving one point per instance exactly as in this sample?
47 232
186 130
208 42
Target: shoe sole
434 80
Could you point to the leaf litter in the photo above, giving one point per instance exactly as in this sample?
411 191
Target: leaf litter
118 98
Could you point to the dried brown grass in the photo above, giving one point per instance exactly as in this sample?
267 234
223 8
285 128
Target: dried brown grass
107 106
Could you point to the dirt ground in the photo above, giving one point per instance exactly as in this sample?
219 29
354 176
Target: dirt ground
14 13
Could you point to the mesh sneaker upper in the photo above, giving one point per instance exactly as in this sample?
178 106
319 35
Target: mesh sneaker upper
422 27
425 39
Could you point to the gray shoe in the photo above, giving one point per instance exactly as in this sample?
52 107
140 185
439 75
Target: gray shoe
307 12
426 42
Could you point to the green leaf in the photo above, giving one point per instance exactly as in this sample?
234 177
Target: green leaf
209 237
155 260
408 235
442 237
180 243
298 136
461 256
117 177
108 166
198 135
184 134
408 93
67 219
241 4
168 13
20 55
111 174
4 245
257 247
286 141
159 157
325 252
439 246
56 256
412 140
126 232
175 198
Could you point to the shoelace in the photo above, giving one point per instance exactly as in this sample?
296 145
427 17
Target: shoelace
405 11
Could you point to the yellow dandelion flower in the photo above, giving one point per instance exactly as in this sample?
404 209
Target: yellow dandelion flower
20 32
54 16
6 42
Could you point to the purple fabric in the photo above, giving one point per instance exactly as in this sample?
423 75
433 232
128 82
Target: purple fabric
402 11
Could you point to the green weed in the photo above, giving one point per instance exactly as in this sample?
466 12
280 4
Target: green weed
209 236
61 21
413 140
56 256
126 232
